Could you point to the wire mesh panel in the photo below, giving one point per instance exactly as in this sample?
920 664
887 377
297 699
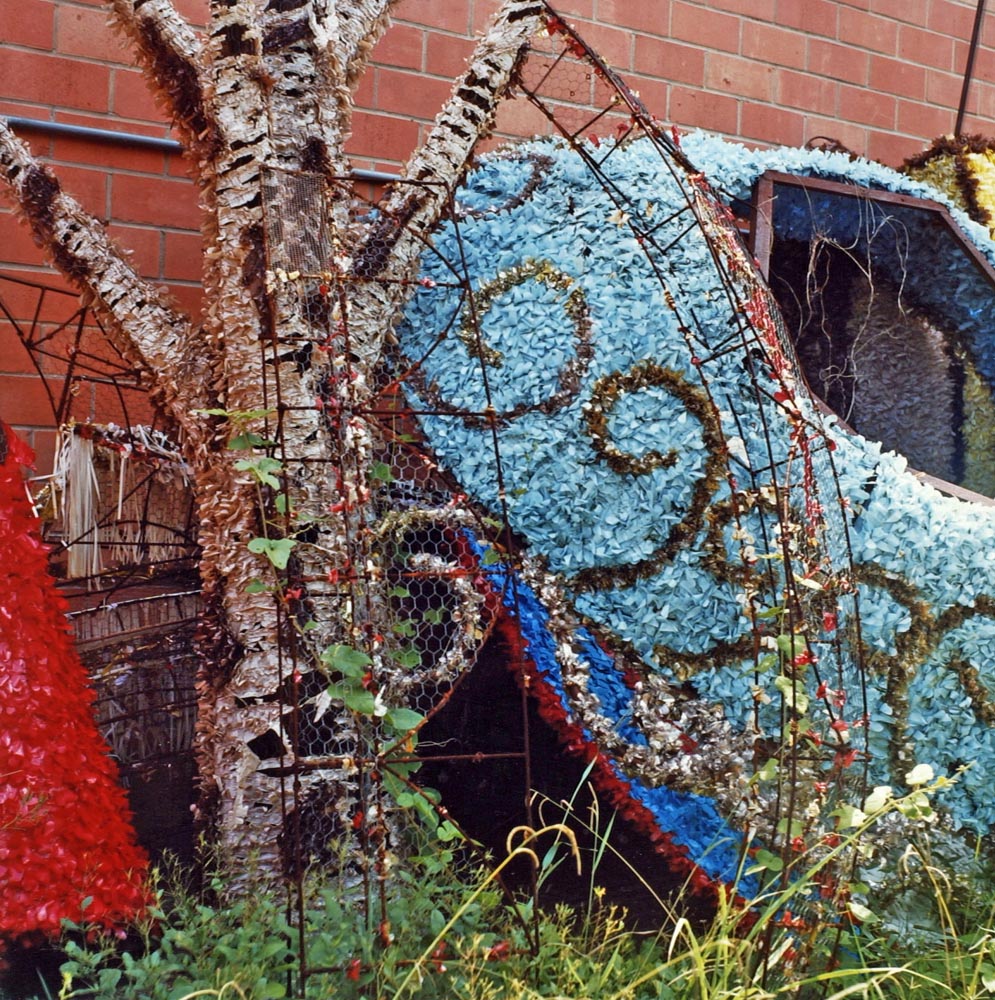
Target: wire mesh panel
554 449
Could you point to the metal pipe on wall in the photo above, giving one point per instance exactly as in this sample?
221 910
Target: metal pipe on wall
136 141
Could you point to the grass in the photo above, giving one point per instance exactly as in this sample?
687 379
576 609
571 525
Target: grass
451 933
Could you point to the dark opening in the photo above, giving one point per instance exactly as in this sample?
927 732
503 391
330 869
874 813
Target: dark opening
887 305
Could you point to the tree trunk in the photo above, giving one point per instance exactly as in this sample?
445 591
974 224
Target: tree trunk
299 298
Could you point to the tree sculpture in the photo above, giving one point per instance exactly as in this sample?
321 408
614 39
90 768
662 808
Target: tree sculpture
262 102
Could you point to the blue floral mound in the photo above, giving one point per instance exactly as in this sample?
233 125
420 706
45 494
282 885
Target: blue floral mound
608 456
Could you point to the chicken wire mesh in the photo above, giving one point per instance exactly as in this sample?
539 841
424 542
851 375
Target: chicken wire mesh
435 582
434 577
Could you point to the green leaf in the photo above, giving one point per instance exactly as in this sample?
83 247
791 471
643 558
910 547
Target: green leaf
345 660
277 550
256 587
434 616
849 816
282 503
403 627
393 786
403 719
407 657
399 592
262 469
249 439
447 831
769 771
769 861
793 693
490 557
359 700
381 471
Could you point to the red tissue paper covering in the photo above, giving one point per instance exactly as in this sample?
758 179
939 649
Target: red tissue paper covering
65 829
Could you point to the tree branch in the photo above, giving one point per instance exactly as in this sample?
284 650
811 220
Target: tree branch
361 26
169 51
141 323
390 247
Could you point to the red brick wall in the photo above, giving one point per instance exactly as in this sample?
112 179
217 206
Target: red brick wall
882 76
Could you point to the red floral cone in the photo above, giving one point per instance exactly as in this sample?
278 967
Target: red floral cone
65 830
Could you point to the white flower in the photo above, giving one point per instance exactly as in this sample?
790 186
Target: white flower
921 774
878 799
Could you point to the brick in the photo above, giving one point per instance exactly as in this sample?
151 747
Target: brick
446 55
144 247
155 201
743 77
189 299
518 118
107 155
21 296
942 88
18 244
840 62
379 135
980 111
714 31
670 61
613 45
946 18
28 23
768 43
814 17
813 94
897 77
16 359
84 32
365 94
453 15
655 94
892 150
132 97
24 110
42 78
867 31
44 441
649 16
853 137
577 8
195 11
183 258
984 67
908 11
88 186
411 94
25 400
37 141
868 107
697 108
178 165
481 11
760 10
917 119
925 48
771 125
403 46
